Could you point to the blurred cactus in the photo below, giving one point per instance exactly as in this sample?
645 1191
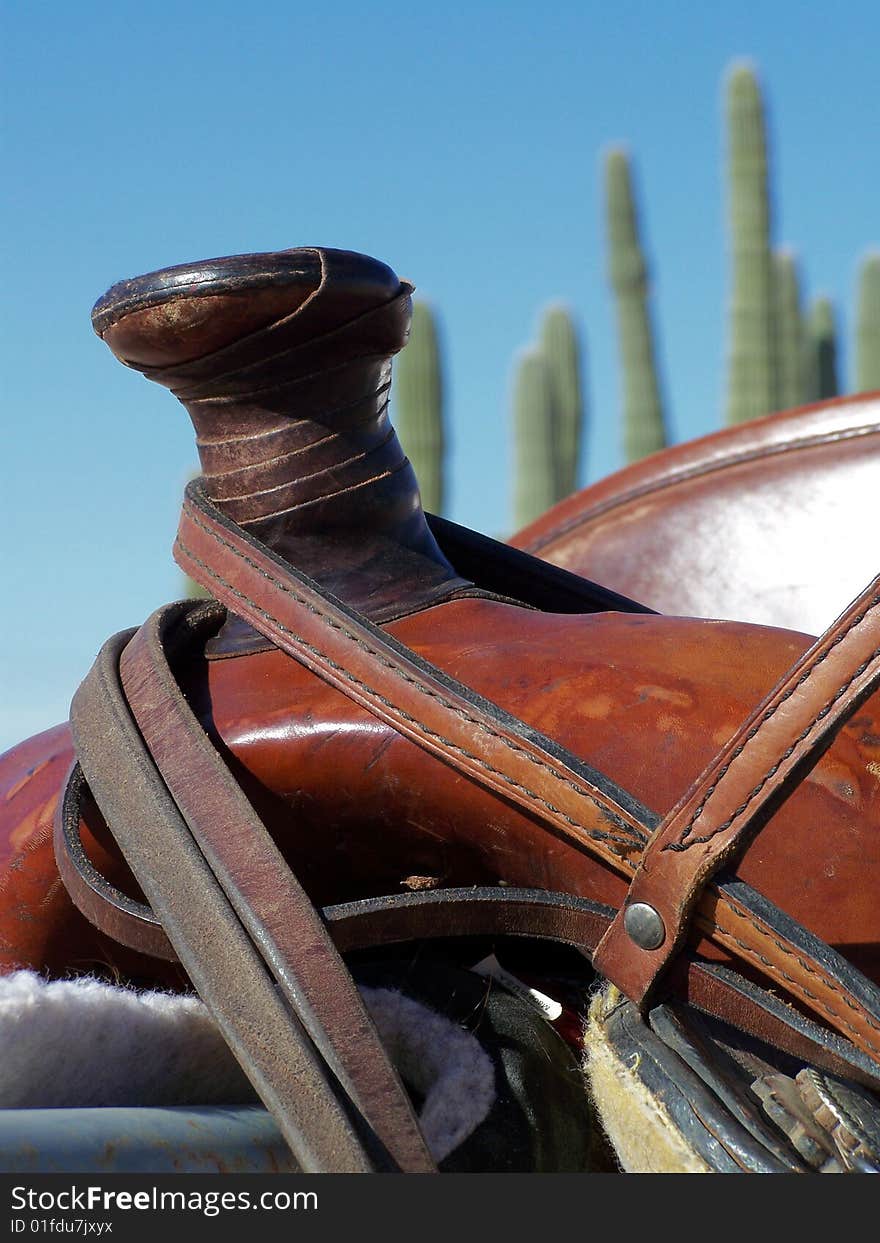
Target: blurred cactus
868 326
190 589
752 379
418 406
821 352
789 330
644 425
560 349
535 466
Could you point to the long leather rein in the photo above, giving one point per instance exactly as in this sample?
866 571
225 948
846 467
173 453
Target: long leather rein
212 874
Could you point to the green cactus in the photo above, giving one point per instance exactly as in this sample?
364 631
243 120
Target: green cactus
644 424
868 326
535 467
789 330
193 590
561 351
821 352
752 380
418 406
190 589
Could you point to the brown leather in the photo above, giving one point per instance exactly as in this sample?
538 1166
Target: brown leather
267 898
767 522
474 911
508 912
269 912
477 738
290 412
232 978
748 780
425 748
682 695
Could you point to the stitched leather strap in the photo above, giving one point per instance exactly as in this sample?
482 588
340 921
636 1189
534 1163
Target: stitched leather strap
237 964
479 738
483 912
743 786
265 893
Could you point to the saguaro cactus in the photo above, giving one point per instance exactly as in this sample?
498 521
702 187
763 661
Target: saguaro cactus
868 326
644 425
190 589
418 407
752 387
821 351
535 470
789 330
561 351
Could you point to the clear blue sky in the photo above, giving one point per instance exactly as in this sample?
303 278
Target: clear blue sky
461 144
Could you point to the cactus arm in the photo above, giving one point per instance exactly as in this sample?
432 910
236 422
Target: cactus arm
644 423
752 377
419 407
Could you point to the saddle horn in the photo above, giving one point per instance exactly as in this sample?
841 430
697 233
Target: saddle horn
283 363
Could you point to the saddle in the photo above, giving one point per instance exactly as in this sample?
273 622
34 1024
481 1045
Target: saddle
384 728
763 522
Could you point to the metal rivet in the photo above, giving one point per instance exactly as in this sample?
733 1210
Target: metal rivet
644 926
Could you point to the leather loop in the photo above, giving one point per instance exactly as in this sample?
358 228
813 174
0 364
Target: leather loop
228 966
127 921
264 892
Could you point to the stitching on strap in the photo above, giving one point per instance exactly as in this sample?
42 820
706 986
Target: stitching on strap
594 834
681 844
768 965
794 984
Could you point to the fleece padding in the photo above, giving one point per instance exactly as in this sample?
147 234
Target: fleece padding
639 1127
84 1042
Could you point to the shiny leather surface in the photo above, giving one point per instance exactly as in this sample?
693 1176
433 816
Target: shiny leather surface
647 700
282 362
769 522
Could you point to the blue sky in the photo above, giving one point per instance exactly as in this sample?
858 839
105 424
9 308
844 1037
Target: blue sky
461 144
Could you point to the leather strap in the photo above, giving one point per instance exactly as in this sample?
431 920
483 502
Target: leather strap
123 919
754 773
492 911
235 968
264 892
536 913
477 737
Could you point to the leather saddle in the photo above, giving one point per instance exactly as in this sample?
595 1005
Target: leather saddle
385 728
765 522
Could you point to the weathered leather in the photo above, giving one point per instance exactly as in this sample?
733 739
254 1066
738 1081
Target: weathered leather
291 415
443 913
479 739
767 522
392 719
246 933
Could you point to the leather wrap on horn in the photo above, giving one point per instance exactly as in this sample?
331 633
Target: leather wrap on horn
283 363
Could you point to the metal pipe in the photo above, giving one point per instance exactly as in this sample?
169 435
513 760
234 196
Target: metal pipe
185 1140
